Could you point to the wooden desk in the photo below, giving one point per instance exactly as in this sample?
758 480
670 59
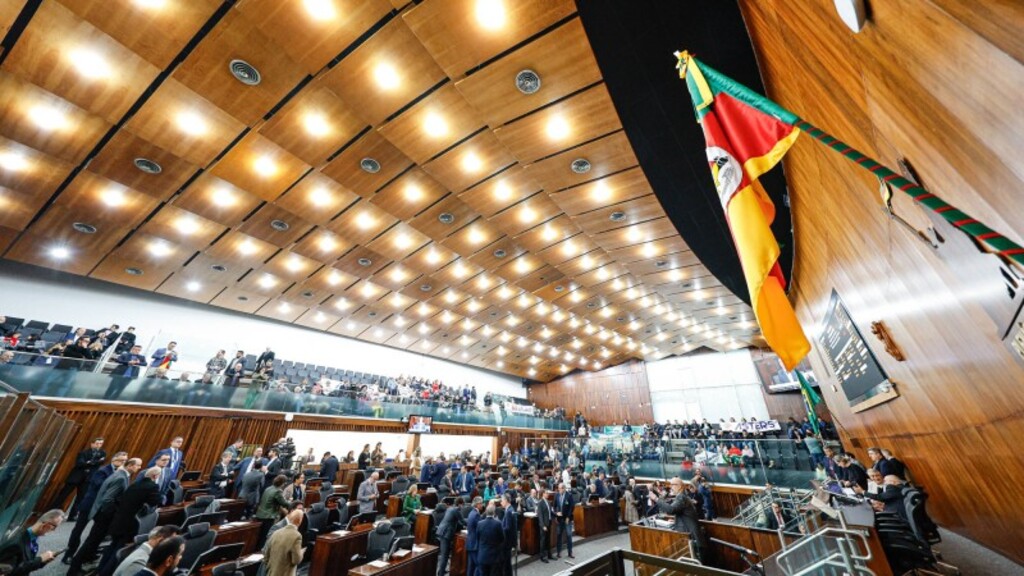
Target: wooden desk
662 542
394 506
423 529
353 477
422 563
246 566
458 565
332 553
530 535
384 491
175 513
247 534
594 519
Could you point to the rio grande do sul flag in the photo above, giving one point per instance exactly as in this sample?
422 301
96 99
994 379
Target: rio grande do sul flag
747 135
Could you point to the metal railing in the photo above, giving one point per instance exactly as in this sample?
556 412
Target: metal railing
613 563
829 550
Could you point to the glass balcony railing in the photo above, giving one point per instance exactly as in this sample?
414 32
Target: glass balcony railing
43 381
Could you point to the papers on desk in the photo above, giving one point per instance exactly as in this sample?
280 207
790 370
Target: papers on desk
465 531
379 564
340 532
417 549
425 510
235 523
400 553
660 523
530 514
251 558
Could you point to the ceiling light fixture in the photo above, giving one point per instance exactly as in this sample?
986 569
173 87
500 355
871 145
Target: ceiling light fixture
223 197
113 197
48 117
491 14
502 191
265 166
557 128
365 221
472 163
435 126
89 63
316 124
528 81
321 10
190 123
148 166
187 225
247 247
159 248
413 193
13 161
193 286
60 253
369 165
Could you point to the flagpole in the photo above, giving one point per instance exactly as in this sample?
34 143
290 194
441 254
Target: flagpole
995 241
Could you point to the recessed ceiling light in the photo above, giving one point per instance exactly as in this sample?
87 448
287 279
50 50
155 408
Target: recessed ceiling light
490 14
267 281
527 215
60 253
89 63
84 228
549 233
341 304
223 197
365 221
412 192
244 72
369 165
557 128
134 271
500 253
426 287
433 256
148 166
316 124
294 264
321 10
187 225
600 192
434 125
243 298
150 4
159 248
386 76
113 197
617 216
459 271
649 250
247 247
13 161
403 241
397 275
190 123
472 163
307 293
580 166
502 191
320 318
265 166
528 81
476 236
47 117
327 243
284 308
193 286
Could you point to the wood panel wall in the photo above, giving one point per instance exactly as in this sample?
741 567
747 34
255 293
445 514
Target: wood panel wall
605 397
142 430
937 82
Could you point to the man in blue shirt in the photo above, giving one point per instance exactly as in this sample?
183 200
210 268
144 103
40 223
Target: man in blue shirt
128 366
22 550
472 544
465 483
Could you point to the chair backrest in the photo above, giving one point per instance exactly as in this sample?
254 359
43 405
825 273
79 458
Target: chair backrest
317 516
126 550
195 508
400 485
379 541
147 518
401 526
177 492
924 528
326 489
225 569
198 540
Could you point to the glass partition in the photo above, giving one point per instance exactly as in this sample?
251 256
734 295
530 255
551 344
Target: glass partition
44 381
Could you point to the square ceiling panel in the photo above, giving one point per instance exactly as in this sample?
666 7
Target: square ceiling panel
313 125
432 125
258 165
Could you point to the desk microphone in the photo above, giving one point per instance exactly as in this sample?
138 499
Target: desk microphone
735 547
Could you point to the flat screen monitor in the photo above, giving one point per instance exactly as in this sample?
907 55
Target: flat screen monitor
420 424
214 519
191 476
216 555
401 543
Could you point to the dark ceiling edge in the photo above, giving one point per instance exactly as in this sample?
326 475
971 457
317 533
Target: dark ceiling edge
634 43
20 270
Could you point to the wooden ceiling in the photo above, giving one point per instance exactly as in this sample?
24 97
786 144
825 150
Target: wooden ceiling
474 239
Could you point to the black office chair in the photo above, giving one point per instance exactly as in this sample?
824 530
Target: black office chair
438 515
200 505
226 569
147 518
379 541
400 485
401 526
177 492
198 540
326 489
339 514
318 518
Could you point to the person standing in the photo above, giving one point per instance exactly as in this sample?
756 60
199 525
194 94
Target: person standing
86 463
235 449
91 492
685 511
273 465
368 494
252 486
128 368
490 544
235 369
220 476
216 365
272 507
510 529
563 518
265 360
544 517
284 552
446 532
329 467
124 524
175 463
102 513
22 553
364 458
165 357
465 483
472 543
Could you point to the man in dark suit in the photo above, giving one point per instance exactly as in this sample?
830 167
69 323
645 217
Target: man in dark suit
102 513
563 518
235 449
129 366
124 525
490 544
220 476
273 466
86 463
465 483
780 517
329 467
685 511
175 463
252 487
246 465
510 529
21 551
92 490
446 532
471 536
544 516
266 359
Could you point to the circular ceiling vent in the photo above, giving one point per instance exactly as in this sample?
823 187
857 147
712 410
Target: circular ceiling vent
371 314
494 314
364 262
244 72
279 225
133 271
499 253
580 166
675 341
84 228
426 287
591 304
559 288
527 81
148 166
617 216
243 298
686 284
446 218
660 264
621 319
369 165
219 268
307 294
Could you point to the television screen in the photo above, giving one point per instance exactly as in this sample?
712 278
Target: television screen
420 424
